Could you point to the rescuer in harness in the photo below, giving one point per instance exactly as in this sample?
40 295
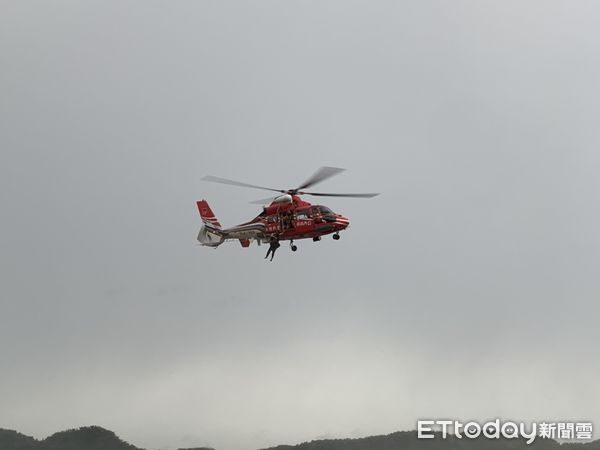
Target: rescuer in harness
273 245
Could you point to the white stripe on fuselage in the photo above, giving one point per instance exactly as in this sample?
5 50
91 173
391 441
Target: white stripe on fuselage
250 230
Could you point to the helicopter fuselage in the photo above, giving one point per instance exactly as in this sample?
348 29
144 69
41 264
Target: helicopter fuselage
288 217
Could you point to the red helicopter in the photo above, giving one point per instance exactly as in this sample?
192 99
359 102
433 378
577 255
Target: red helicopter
286 217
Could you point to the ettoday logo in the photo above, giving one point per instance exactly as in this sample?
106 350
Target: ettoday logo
509 430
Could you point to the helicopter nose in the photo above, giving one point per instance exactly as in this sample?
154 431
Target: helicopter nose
342 222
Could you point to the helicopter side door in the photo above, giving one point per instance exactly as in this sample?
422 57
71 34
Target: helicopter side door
302 220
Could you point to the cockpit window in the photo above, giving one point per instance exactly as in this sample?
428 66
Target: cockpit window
325 210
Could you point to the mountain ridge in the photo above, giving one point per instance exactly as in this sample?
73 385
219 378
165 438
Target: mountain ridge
98 438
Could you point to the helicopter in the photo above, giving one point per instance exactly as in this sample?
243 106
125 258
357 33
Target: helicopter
285 217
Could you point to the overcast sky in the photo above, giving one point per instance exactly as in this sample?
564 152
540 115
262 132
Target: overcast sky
468 289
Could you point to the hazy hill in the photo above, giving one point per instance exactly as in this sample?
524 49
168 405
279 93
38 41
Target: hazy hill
197 448
97 438
85 438
407 440
11 440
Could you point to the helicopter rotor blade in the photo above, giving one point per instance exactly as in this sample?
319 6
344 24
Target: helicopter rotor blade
321 174
263 201
321 194
238 183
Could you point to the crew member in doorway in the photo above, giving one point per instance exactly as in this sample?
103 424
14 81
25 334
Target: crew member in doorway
287 220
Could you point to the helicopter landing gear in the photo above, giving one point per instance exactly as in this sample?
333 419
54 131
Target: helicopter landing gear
336 236
292 246
316 238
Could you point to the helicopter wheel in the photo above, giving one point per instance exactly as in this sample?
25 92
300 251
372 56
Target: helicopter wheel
336 236
294 248
316 238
